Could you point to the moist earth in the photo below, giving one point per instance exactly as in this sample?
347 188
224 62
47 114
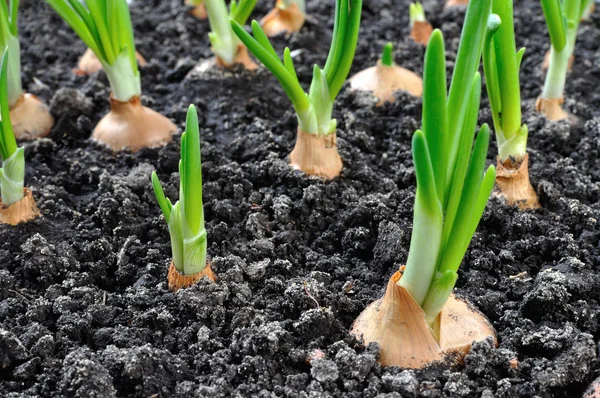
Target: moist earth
85 310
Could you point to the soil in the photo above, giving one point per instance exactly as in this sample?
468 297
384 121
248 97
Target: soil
84 305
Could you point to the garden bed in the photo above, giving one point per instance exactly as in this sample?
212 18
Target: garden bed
85 310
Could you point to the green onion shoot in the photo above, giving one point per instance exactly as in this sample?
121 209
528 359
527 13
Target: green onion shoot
30 116
185 218
501 64
420 28
418 322
105 27
17 204
562 19
224 43
386 78
315 151
287 16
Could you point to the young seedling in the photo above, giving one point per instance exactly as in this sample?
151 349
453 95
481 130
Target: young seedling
418 321
225 45
30 116
287 16
384 79
17 204
315 152
501 63
420 28
562 18
105 27
186 217
198 10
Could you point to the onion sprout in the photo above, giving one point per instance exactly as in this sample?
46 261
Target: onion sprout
313 109
105 27
501 65
416 13
30 116
387 55
186 217
224 42
562 19
452 189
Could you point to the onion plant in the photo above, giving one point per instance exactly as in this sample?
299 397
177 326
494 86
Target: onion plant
224 43
453 188
186 217
30 116
501 64
17 204
420 28
315 152
386 78
105 27
562 19
287 16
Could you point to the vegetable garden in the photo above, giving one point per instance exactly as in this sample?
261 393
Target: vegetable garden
285 199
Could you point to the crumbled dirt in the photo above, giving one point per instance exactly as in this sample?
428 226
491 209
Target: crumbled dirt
84 305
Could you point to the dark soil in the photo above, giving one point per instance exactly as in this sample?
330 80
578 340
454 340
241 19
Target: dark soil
85 310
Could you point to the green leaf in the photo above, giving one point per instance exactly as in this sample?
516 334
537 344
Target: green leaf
8 144
288 62
261 37
490 67
126 39
98 13
14 15
243 11
508 117
457 178
435 124
177 239
319 99
340 69
424 170
337 40
520 54
555 20
458 242
4 23
467 63
191 179
387 57
487 185
163 201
